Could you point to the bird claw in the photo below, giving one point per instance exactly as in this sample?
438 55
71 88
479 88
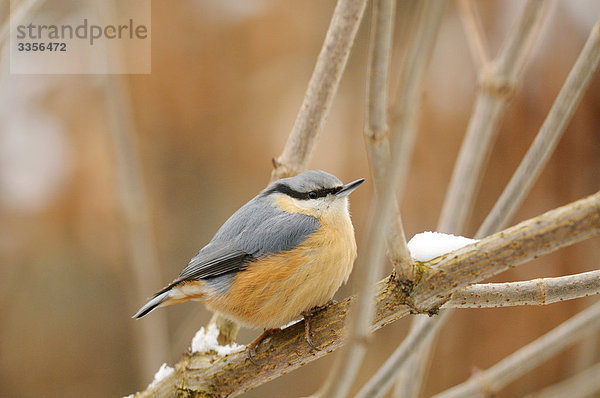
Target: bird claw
307 315
249 354
251 348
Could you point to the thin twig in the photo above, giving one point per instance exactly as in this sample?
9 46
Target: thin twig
421 41
405 110
552 129
474 33
541 291
497 87
384 377
583 384
321 89
377 129
371 258
287 350
488 382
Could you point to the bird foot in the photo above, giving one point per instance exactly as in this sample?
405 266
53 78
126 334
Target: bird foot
307 316
251 348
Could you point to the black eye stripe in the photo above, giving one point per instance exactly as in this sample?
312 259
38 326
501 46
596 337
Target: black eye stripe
320 193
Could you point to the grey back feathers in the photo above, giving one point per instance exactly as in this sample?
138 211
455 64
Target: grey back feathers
260 228
257 229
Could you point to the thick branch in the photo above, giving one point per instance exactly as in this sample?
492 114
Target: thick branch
200 375
540 291
496 253
492 380
321 89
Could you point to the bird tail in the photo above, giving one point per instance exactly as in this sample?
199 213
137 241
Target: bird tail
155 302
176 292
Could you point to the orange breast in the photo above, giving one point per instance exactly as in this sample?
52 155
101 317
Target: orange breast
276 289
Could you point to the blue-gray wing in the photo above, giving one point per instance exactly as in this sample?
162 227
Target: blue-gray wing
254 231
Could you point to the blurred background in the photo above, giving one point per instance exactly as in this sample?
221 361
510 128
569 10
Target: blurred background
110 184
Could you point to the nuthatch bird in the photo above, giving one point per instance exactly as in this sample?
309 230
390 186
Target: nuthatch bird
284 253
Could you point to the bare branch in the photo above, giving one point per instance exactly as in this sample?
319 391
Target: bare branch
376 127
383 378
492 380
349 360
498 81
285 351
321 89
474 33
497 86
421 41
477 262
583 384
541 291
405 110
536 292
552 129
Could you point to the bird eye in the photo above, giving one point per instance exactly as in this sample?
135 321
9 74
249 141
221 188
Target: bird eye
312 195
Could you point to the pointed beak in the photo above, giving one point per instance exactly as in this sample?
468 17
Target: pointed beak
349 188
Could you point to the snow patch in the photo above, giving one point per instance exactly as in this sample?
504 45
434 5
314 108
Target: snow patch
429 245
164 372
205 340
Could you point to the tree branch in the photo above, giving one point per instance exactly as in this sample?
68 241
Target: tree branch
201 375
321 89
370 260
497 86
498 81
541 291
405 110
474 33
376 130
552 129
583 384
492 380
483 259
531 165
